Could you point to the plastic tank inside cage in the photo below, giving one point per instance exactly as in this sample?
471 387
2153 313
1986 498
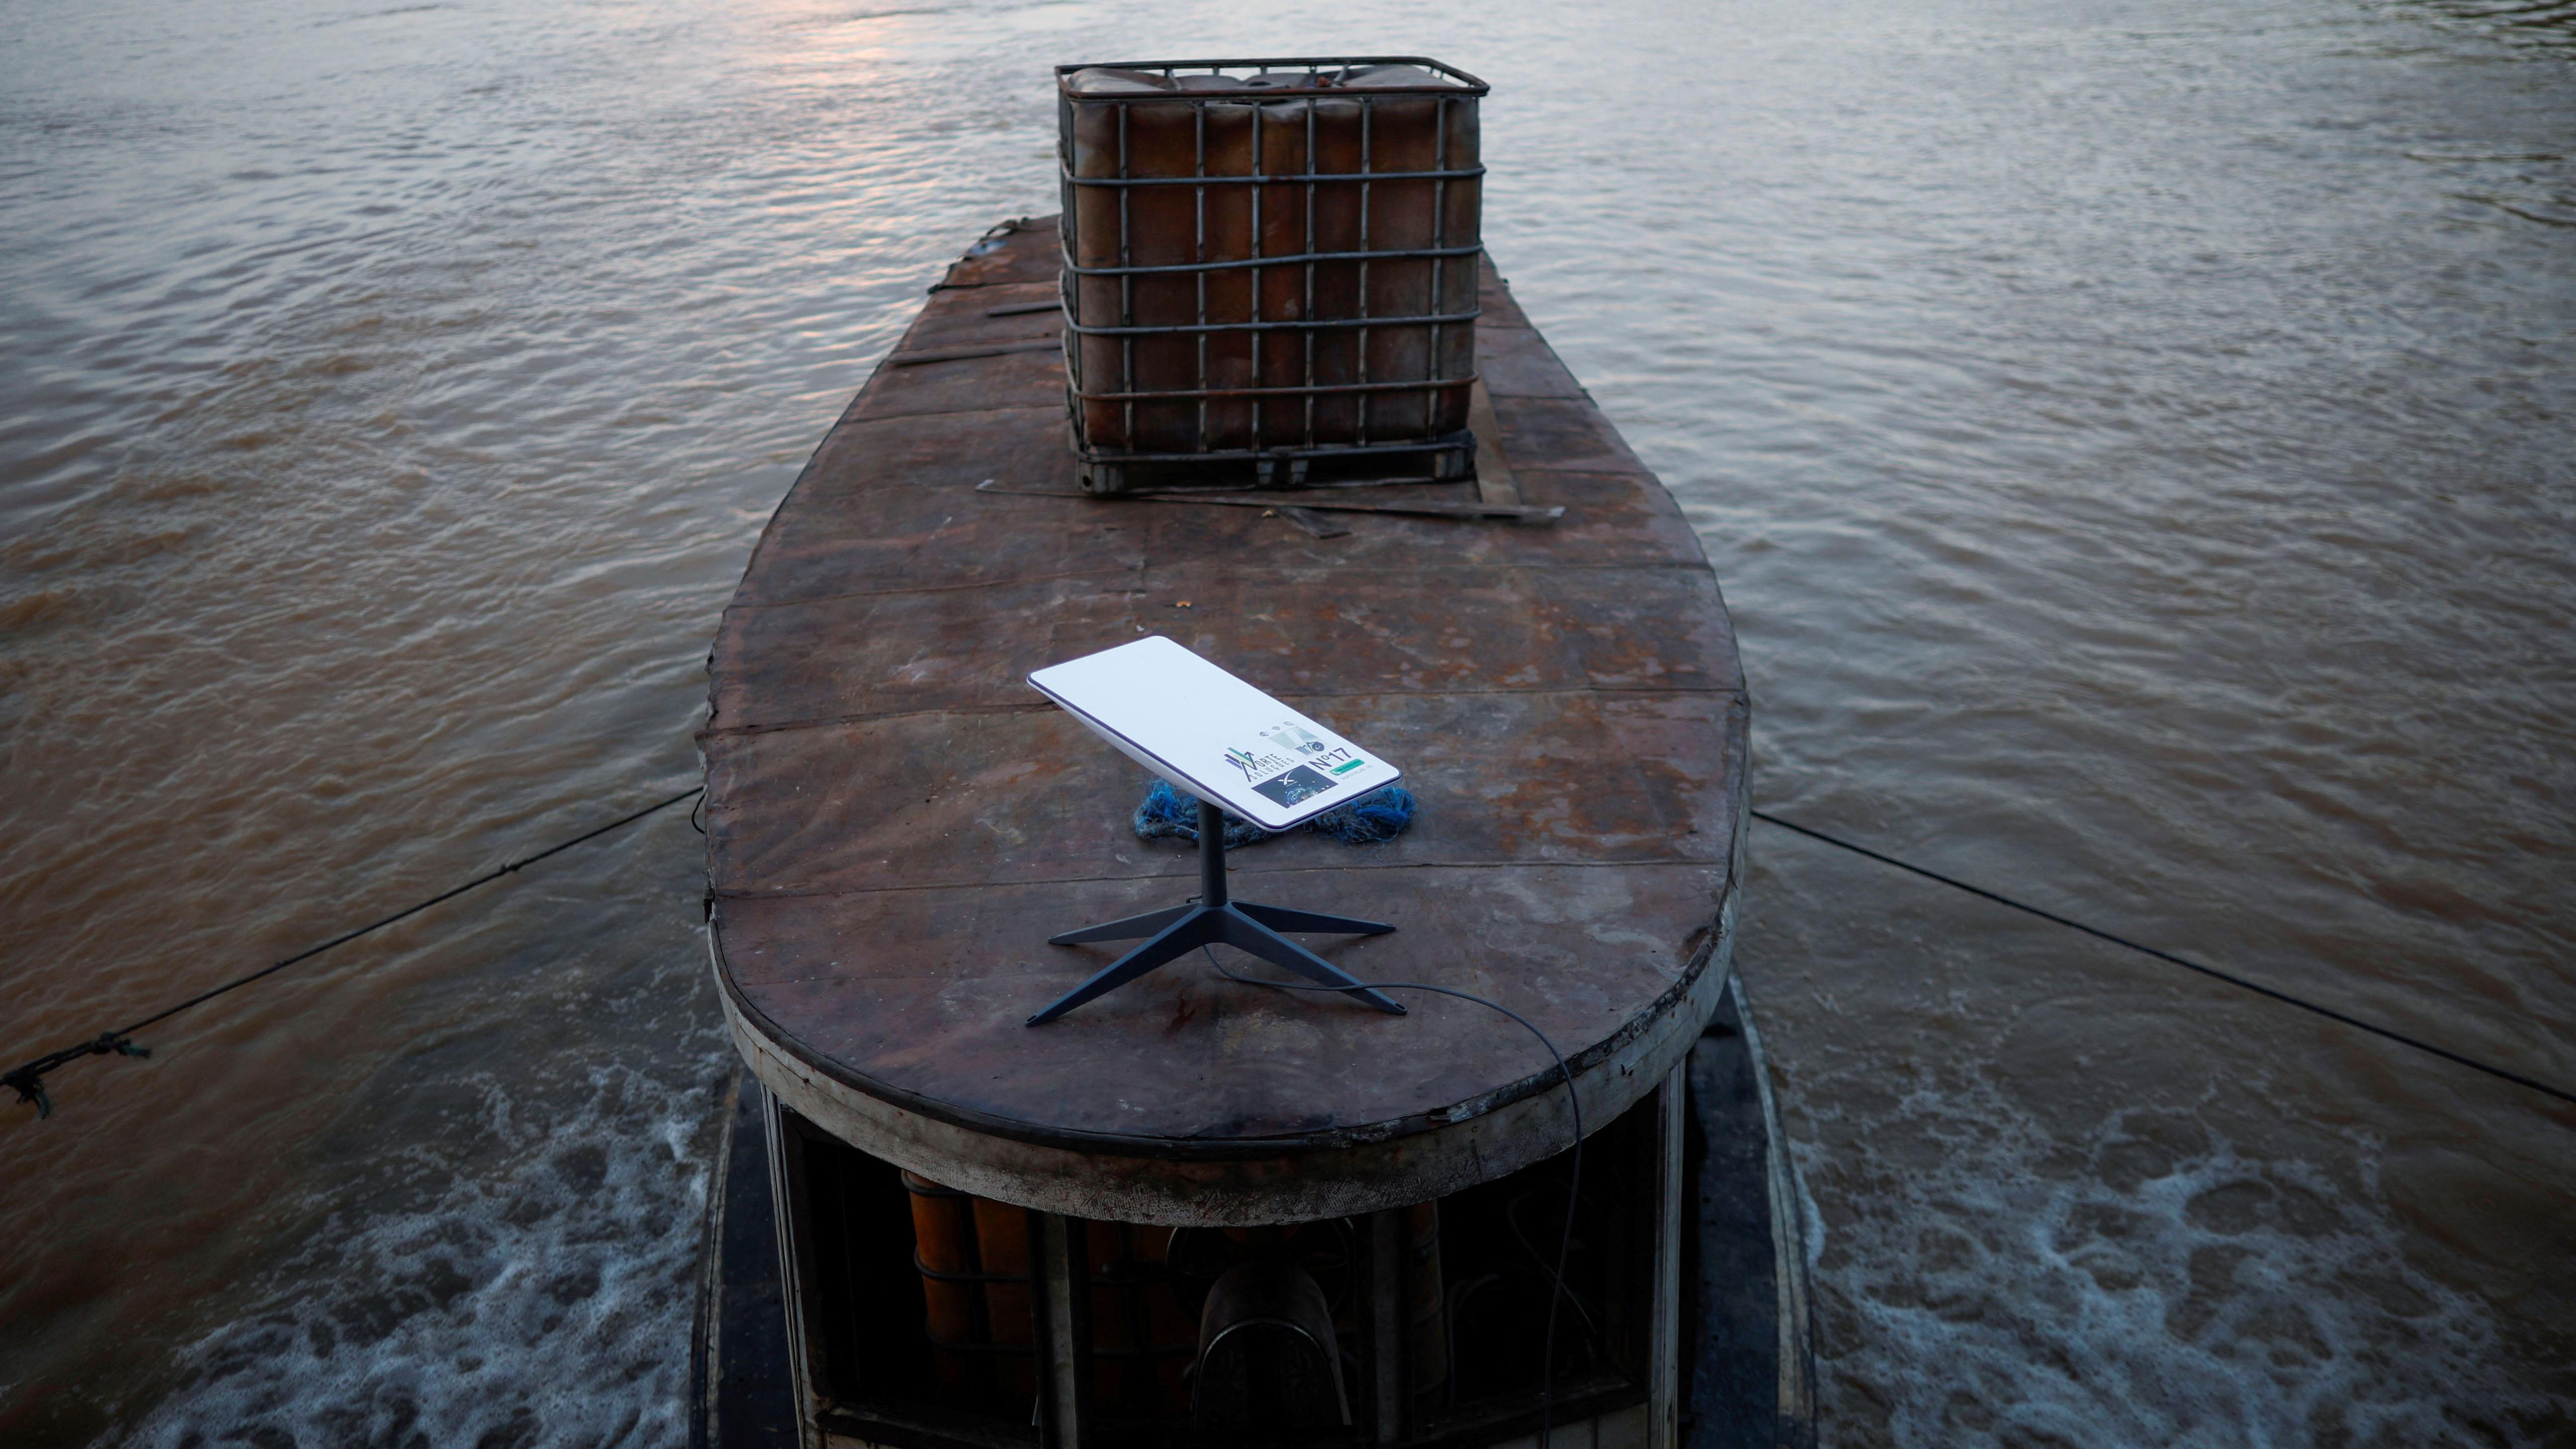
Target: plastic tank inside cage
1270 269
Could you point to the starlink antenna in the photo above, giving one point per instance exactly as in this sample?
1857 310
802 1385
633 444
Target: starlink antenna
1237 749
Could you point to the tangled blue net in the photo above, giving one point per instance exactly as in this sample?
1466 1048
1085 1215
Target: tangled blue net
1167 812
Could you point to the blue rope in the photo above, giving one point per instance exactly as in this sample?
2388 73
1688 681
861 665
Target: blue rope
1169 813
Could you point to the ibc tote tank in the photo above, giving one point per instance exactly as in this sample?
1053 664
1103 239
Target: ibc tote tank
1269 264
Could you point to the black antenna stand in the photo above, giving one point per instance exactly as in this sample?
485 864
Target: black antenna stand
1211 920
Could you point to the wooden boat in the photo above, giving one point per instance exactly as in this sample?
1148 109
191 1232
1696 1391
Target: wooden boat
936 1226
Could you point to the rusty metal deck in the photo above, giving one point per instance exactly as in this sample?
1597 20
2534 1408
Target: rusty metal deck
897 821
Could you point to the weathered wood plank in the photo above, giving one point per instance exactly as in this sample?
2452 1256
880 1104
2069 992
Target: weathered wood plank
1022 793
1292 631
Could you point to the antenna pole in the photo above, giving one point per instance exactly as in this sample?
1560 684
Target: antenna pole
1211 854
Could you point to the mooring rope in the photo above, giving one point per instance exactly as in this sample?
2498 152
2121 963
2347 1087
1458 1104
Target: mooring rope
2259 989
29 1080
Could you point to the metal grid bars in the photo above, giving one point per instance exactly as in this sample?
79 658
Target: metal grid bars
1269 264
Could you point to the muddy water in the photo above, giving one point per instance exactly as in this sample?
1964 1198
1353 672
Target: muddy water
2133 440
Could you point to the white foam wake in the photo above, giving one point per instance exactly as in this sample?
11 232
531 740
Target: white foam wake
2150 1285
546 1303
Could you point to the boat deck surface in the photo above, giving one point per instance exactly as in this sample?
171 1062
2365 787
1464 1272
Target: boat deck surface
897 821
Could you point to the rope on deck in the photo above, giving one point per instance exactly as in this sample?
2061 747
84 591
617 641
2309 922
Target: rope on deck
29 1080
1167 812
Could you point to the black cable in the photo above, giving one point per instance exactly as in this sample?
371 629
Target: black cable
2213 972
29 1080
1574 1179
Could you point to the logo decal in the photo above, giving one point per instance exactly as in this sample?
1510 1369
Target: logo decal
1294 740
1298 784
1298 766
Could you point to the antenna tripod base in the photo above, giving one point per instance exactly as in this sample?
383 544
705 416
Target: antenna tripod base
1214 920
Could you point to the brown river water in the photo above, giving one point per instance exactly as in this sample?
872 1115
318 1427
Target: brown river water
2135 440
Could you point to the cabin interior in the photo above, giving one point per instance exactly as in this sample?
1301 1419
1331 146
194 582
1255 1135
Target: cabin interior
924 1316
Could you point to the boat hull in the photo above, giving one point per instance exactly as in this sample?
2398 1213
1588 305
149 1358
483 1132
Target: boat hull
1747 1380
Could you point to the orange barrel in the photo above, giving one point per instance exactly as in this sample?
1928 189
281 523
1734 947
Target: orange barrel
943 1236
974 1259
1002 1241
974 1263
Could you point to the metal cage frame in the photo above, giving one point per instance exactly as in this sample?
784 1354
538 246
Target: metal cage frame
1274 461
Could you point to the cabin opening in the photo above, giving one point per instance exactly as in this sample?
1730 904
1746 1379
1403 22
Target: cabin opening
927 1317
